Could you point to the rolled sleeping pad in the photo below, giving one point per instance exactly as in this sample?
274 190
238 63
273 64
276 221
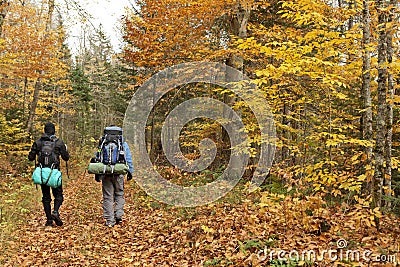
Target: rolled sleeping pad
100 168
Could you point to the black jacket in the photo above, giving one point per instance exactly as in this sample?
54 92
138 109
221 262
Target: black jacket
60 149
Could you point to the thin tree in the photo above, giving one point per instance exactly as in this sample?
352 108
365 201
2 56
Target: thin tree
38 85
389 118
366 83
380 169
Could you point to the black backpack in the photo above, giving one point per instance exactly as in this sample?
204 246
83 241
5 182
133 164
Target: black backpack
47 157
110 150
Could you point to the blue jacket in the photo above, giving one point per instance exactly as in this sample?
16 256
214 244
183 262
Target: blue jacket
128 157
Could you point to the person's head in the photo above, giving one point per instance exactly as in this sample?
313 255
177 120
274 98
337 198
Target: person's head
49 128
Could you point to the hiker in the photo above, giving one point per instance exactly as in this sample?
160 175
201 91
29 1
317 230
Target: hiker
113 183
57 148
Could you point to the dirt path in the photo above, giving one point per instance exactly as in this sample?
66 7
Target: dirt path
83 240
151 234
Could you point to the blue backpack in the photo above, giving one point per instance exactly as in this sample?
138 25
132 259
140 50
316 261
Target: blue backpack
111 150
110 155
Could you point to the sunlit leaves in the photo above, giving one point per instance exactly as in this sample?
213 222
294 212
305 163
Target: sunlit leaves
32 57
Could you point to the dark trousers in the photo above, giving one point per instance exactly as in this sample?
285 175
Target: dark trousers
46 199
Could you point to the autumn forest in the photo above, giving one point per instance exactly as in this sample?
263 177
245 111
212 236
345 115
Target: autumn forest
330 73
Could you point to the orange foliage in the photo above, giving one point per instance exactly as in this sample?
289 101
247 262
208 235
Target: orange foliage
169 32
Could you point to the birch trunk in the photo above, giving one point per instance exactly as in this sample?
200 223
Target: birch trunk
389 119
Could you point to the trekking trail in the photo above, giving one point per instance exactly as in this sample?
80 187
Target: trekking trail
230 232
152 234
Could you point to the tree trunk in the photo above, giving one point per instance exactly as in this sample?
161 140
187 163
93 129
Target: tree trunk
32 110
238 27
50 15
38 84
352 5
366 126
389 118
380 169
3 13
24 99
285 133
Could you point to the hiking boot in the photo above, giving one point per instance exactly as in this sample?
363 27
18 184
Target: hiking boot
49 223
56 218
118 220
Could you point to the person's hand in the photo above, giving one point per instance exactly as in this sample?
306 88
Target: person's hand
129 177
97 178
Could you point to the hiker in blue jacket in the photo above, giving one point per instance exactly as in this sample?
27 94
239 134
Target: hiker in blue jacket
59 149
113 187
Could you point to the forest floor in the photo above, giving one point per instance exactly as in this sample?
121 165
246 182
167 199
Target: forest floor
241 230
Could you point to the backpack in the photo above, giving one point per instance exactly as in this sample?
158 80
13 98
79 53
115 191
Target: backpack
110 155
110 150
47 157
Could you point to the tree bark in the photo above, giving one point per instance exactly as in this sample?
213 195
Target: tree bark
3 13
380 169
366 126
38 84
238 27
389 118
285 133
50 15
32 109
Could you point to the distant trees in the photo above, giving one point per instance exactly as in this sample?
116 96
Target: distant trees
40 81
325 67
100 83
329 71
34 83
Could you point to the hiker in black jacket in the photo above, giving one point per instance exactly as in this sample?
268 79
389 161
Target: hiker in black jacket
59 149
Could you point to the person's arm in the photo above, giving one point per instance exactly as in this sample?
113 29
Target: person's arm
128 157
33 152
63 150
